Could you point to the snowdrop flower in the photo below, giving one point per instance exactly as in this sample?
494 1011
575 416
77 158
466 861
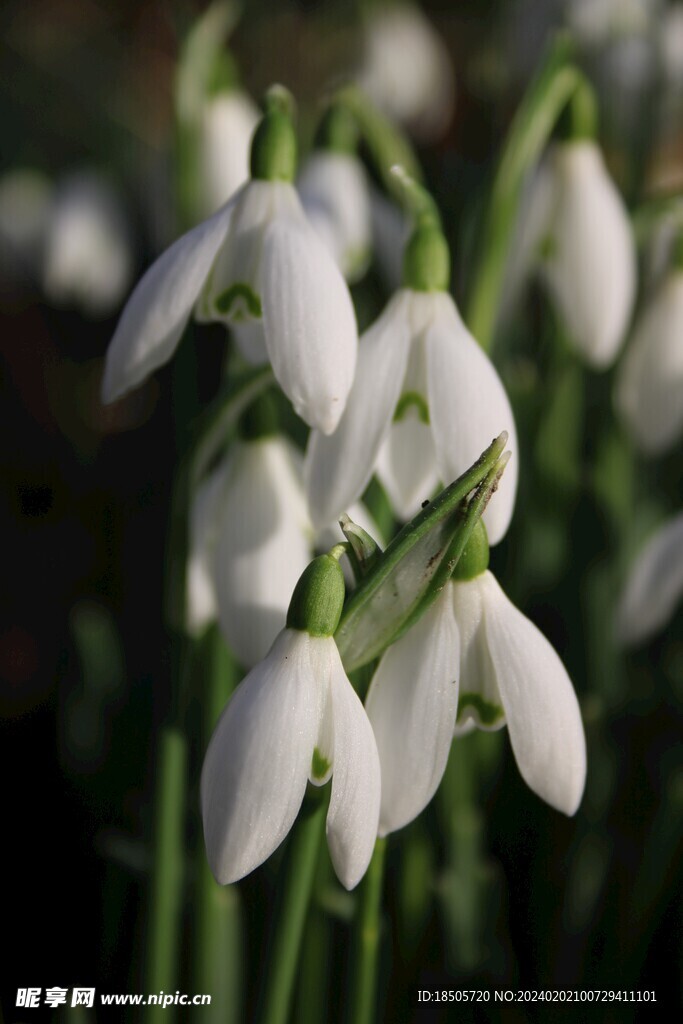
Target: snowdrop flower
294 719
425 402
226 125
654 586
406 70
649 386
473 659
251 538
256 262
590 264
88 257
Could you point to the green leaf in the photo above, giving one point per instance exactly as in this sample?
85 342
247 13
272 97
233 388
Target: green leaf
409 575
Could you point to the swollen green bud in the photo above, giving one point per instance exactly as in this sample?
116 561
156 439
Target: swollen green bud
579 119
318 598
273 148
427 260
337 131
475 558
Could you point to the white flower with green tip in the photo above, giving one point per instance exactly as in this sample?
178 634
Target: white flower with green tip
425 402
257 262
473 659
294 719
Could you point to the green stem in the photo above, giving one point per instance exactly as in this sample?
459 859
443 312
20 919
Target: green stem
531 128
299 872
217 949
161 960
366 941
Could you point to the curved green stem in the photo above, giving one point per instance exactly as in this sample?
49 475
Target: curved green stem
366 941
299 874
547 97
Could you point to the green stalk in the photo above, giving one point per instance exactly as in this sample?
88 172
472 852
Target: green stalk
217 947
554 85
363 999
162 941
299 873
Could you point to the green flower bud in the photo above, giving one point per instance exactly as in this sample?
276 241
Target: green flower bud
318 598
274 148
427 260
337 131
475 558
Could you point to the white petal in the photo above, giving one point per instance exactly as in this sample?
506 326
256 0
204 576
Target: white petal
412 704
480 704
654 586
334 193
250 339
591 269
353 813
338 467
649 391
203 530
311 332
406 465
541 708
256 768
468 407
264 544
153 321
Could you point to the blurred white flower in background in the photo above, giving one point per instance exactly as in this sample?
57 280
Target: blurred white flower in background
72 237
227 122
649 384
335 194
588 260
391 229
406 69
654 586
88 249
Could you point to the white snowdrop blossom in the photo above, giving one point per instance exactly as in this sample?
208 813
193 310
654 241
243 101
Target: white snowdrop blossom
335 194
88 256
654 586
406 70
250 539
294 719
473 659
649 385
226 125
425 402
590 263
257 262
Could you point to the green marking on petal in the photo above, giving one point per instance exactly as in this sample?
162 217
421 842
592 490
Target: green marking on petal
240 302
487 713
320 766
407 401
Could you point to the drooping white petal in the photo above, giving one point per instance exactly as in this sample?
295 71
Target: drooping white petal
227 124
541 708
353 814
310 324
480 704
338 467
153 321
233 294
256 767
654 585
334 193
412 704
468 407
203 530
591 267
263 546
250 339
649 388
